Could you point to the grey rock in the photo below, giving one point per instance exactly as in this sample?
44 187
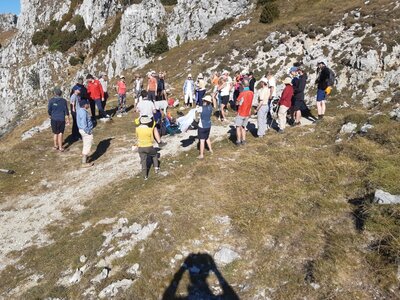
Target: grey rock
225 256
83 259
100 277
395 114
113 289
382 197
366 127
348 128
134 270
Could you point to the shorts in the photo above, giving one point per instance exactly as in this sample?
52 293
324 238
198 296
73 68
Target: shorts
299 105
321 95
151 95
57 126
225 100
241 121
203 133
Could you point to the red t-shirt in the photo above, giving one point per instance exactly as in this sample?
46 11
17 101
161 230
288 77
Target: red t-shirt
245 100
121 87
152 84
286 98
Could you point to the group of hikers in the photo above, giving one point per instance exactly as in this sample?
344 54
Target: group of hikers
243 94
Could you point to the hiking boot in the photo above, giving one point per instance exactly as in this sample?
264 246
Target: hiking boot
157 170
280 131
244 142
238 143
145 178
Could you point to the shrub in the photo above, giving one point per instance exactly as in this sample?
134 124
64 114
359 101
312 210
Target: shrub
158 47
169 2
77 60
269 13
34 79
217 27
39 38
263 2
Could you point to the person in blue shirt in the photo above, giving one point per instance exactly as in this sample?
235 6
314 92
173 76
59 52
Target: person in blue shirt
85 126
57 109
205 125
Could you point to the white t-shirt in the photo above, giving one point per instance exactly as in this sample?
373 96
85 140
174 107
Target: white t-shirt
104 84
146 108
272 83
227 89
264 94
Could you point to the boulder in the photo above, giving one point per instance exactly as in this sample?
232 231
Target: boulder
225 256
382 197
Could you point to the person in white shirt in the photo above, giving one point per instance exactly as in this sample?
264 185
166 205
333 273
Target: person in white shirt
225 90
138 87
262 109
145 107
104 84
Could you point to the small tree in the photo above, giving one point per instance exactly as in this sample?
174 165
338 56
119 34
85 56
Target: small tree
269 13
158 47
34 79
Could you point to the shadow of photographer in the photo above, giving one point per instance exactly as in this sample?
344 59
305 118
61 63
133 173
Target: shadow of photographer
199 267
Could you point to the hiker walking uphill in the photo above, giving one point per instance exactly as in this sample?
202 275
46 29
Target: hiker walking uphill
205 125
96 96
85 126
244 102
58 111
325 81
121 91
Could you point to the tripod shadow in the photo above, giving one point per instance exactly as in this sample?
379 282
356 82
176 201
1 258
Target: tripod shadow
199 267
189 141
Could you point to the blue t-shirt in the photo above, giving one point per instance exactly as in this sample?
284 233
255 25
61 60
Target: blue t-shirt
205 116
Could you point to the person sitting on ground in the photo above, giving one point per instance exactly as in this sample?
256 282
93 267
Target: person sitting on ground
58 110
205 125
188 91
146 133
285 102
85 126
244 103
200 89
262 109
145 107
121 91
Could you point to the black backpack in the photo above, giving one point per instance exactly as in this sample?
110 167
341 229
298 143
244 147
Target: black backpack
332 78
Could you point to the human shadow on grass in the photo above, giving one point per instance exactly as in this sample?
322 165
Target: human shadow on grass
70 140
199 267
360 211
101 149
189 141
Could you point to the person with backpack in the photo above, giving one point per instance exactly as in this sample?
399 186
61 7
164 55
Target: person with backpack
204 129
325 81
57 109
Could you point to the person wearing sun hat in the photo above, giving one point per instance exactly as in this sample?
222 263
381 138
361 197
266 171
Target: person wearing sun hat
188 90
285 102
205 124
146 133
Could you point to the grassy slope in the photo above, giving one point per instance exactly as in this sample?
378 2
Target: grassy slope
288 198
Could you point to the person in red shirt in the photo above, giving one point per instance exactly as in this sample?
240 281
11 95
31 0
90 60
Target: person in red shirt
96 96
244 102
152 86
285 103
121 90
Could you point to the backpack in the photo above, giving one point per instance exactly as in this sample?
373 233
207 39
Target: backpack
332 78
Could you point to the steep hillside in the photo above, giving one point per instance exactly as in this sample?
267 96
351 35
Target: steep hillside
291 216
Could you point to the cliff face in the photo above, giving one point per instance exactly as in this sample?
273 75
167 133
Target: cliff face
28 73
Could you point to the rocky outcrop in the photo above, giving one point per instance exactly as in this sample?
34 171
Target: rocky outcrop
191 19
8 22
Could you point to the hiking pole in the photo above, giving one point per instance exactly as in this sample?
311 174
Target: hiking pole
7 171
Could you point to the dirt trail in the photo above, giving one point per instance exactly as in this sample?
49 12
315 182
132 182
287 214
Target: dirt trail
24 225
